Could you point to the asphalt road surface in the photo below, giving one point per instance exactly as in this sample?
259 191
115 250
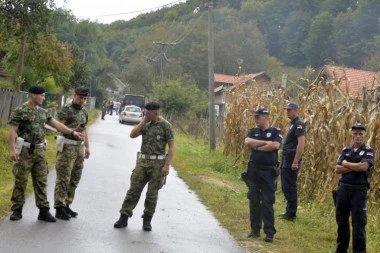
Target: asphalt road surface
181 223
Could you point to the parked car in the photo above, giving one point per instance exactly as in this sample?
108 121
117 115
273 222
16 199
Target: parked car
131 114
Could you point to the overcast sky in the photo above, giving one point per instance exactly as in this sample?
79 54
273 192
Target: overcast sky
107 11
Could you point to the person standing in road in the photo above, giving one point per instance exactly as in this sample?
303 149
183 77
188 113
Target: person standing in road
28 149
292 151
104 108
152 164
353 166
70 159
264 142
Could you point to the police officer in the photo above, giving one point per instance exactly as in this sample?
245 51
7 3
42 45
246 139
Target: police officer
264 142
353 166
152 164
70 159
292 151
27 126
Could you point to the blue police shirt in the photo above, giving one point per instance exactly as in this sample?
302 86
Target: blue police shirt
264 157
361 155
296 128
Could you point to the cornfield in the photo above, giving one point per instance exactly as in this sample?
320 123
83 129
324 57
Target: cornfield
328 114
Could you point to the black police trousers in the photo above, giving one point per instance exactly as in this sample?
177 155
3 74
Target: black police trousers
351 200
261 197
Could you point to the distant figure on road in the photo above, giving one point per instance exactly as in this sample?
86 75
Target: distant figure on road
104 108
110 107
292 151
152 164
28 149
71 156
264 142
117 107
353 166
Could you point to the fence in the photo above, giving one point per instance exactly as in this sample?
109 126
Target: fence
8 101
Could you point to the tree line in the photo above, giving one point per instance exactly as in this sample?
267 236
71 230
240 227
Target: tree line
170 45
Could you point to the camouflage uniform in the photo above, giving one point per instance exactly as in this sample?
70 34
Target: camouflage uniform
69 163
155 137
30 124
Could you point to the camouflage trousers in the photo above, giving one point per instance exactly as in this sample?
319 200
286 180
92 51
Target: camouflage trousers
69 167
36 165
145 172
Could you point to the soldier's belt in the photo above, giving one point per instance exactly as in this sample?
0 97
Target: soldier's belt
151 157
73 142
28 145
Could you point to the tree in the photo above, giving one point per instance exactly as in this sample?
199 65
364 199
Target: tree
318 46
292 35
180 99
25 20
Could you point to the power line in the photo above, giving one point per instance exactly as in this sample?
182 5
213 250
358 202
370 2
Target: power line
133 12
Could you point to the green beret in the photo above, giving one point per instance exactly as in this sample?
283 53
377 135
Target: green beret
152 106
82 91
36 90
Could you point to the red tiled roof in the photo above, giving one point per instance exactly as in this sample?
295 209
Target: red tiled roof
353 80
233 80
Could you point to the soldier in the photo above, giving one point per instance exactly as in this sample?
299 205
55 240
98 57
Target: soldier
152 164
27 129
70 158
292 151
264 142
353 166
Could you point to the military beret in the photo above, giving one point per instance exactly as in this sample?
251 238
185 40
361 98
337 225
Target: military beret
261 111
152 106
291 105
358 126
36 90
82 91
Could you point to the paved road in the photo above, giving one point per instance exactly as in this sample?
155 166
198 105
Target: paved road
181 223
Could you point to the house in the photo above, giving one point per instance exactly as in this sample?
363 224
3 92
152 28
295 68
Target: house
352 81
225 83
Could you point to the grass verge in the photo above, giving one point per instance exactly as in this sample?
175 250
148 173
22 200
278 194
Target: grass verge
215 180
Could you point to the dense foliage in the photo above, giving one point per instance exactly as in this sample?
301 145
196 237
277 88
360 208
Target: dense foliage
172 43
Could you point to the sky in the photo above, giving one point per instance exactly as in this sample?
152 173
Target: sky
107 11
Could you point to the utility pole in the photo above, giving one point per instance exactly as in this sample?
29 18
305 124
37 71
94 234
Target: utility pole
163 57
211 85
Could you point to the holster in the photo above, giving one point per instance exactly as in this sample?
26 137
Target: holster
247 181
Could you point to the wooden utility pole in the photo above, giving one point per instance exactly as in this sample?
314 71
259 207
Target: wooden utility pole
211 84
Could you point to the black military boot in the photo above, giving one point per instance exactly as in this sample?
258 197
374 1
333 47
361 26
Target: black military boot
146 222
122 222
62 214
71 212
17 214
45 215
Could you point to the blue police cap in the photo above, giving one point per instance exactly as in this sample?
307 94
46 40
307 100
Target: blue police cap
152 106
82 91
37 89
261 111
291 105
358 126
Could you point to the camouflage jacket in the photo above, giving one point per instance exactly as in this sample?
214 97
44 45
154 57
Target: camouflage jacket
155 136
72 117
31 123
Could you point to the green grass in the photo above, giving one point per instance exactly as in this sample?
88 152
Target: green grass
6 165
214 178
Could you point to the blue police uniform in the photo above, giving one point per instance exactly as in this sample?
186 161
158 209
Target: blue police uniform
288 176
352 198
262 172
